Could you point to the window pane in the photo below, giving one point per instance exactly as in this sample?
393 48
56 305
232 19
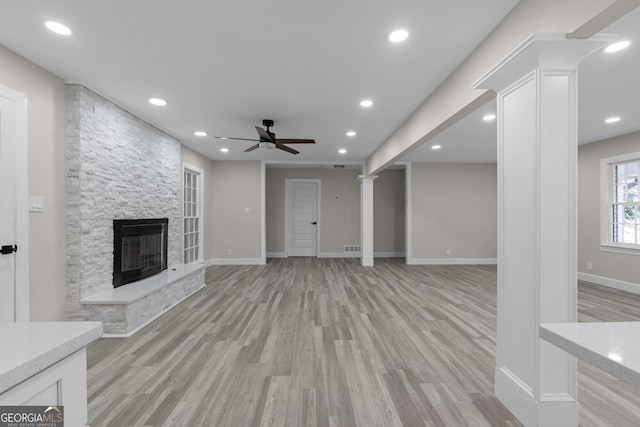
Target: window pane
629 213
629 234
619 172
632 192
619 193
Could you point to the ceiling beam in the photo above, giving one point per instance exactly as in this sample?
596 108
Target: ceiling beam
455 97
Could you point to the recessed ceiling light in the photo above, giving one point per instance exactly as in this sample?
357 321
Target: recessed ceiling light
157 101
342 151
615 47
351 133
366 103
612 120
224 150
200 133
436 147
58 28
397 36
489 117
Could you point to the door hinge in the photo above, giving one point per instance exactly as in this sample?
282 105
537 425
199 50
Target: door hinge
7 249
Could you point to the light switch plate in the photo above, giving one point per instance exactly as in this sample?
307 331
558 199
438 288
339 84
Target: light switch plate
36 204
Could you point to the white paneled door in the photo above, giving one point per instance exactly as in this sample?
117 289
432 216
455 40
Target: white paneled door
302 218
7 210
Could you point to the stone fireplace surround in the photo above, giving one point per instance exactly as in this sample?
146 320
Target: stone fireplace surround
119 167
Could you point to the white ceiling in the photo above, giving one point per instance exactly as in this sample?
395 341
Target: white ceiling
225 66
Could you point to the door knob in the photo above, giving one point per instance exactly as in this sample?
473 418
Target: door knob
7 249
314 223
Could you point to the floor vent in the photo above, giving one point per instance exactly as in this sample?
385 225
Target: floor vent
352 248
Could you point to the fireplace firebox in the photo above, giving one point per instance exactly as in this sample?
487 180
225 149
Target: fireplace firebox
140 249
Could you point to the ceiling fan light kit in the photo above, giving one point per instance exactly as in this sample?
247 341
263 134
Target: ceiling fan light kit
269 141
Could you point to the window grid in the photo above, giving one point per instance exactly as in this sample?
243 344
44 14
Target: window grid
624 203
191 217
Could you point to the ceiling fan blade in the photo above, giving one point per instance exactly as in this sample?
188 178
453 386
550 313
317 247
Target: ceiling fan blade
237 139
296 141
287 149
253 147
264 136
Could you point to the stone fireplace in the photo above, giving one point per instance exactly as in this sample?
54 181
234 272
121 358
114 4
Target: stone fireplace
119 167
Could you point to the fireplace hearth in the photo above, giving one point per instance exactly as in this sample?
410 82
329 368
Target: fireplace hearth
140 249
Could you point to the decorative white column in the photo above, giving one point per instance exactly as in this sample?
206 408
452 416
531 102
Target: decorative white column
537 222
366 218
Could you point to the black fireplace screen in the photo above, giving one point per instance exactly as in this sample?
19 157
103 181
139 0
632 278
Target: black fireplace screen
140 249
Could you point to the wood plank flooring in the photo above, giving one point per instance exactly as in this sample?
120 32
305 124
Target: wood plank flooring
326 342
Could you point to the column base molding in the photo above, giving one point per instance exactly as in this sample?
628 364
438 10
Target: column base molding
563 411
367 261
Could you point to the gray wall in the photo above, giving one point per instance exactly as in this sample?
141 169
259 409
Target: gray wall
454 206
195 159
341 218
47 230
389 216
610 265
235 186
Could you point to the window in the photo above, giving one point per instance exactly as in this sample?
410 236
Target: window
192 206
620 215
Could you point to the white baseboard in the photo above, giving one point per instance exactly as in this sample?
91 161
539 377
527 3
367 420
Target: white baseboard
520 402
611 283
451 261
236 261
276 255
339 255
342 255
389 254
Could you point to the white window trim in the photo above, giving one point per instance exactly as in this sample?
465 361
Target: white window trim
605 188
200 172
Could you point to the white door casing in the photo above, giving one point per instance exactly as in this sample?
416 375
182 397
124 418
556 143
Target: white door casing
302 205
14 282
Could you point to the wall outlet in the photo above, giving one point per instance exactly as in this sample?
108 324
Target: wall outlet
448 251
228 252
589 265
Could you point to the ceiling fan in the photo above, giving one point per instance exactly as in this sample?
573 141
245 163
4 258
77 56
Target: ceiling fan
268 140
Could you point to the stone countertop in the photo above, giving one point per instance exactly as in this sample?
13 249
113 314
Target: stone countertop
27 348
613 347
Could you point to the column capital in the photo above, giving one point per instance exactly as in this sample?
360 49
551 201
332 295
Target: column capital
541 51
367 178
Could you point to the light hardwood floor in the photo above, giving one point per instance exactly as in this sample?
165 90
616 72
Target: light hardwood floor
326 342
